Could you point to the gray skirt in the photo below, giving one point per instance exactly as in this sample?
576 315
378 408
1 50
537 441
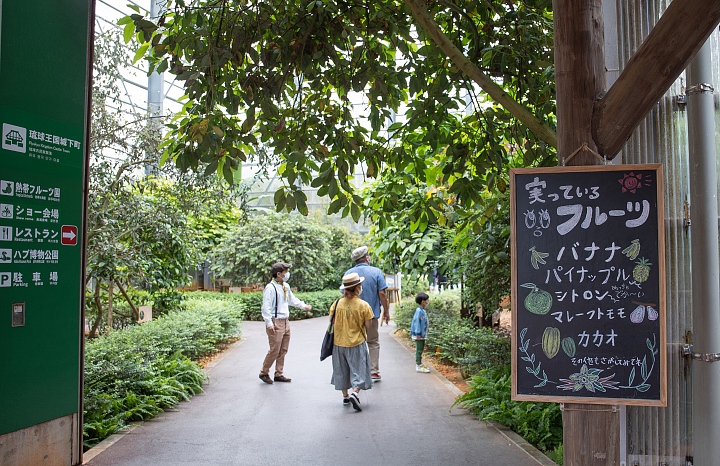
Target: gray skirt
351 367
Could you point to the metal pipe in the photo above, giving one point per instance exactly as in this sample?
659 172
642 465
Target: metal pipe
155 88
705 266
155 80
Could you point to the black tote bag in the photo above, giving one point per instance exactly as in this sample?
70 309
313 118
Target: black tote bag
328 341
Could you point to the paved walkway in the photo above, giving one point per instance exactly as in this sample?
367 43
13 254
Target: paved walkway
238 420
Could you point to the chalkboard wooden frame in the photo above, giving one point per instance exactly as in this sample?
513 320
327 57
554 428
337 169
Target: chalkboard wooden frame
594 382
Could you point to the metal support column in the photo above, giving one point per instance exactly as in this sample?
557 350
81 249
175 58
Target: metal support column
705 267
156 92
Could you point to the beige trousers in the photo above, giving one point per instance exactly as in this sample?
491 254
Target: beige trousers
279 344
373 341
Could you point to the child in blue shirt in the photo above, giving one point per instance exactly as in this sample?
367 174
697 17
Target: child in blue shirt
418 330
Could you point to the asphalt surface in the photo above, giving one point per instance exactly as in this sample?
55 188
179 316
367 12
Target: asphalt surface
239 420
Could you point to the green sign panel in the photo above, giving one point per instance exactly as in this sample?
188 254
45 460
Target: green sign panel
43 146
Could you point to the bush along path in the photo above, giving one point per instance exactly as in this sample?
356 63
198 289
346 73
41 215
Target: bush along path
134 374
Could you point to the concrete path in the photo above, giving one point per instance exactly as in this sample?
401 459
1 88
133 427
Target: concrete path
238 420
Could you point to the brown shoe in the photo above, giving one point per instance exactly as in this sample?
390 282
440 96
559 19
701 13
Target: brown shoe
282 378
266 378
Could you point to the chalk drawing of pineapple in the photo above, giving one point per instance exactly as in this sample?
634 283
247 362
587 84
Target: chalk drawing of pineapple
641 272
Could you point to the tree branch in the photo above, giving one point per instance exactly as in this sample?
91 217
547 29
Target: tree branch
540 128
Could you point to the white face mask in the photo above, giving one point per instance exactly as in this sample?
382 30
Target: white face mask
286 277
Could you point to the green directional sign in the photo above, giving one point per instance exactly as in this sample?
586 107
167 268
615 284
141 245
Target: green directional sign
44 59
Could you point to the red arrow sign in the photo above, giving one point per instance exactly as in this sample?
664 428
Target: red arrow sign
68 235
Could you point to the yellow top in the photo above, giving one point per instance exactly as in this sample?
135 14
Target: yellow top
350 318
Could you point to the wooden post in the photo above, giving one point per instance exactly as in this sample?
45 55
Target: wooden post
591 432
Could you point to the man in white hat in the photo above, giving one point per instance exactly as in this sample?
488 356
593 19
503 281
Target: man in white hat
373 292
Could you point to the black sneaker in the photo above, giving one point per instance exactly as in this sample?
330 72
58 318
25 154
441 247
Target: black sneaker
346 401
266 378
355 401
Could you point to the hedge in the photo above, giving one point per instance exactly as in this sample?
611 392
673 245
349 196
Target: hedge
252 302
136 373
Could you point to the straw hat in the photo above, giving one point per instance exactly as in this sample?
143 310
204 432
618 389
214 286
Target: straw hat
352 279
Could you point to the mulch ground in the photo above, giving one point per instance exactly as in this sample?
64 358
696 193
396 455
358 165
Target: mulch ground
208 358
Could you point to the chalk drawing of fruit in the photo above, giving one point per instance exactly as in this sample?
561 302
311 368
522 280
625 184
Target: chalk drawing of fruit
641 272
652 313
638 315
568 346
537 258
538 301
551 342
633 250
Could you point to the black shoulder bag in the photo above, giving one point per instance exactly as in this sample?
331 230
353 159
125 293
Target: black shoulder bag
329 340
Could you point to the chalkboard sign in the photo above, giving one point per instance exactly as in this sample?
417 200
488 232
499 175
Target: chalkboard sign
588 285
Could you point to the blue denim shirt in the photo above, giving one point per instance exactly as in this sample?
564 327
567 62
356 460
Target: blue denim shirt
419 323
374 283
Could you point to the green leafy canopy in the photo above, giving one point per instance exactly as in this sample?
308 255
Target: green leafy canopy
317 86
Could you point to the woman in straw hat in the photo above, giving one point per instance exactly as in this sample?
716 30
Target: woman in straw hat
350 359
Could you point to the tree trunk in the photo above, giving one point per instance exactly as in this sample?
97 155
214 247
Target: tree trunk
136 313
98 319
110 307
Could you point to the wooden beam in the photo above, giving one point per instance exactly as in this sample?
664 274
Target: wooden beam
666 52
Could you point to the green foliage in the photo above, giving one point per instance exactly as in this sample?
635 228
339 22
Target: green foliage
247 252
143 232
245 100
165 300
458 340
556 455
489 398
252 302
134 374
414 284
442 306
483 255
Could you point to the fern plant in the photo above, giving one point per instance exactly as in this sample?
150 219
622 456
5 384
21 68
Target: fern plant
489 398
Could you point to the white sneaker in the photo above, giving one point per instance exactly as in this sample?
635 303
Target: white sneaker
421 368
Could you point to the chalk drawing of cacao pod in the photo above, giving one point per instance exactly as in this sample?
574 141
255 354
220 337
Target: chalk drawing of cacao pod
568 346
551 342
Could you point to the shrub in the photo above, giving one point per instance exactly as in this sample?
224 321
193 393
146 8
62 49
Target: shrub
489 398
446 304
467 346
412 285
134 374
459 341
317 252
251 303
